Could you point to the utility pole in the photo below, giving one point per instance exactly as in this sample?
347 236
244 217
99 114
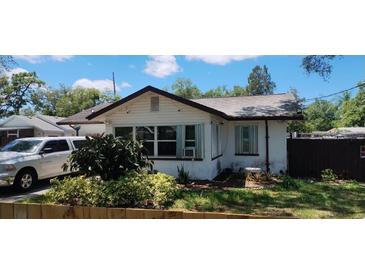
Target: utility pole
115 92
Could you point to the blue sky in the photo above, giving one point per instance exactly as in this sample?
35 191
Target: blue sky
135 72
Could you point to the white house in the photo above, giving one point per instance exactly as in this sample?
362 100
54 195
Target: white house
204 135
20 126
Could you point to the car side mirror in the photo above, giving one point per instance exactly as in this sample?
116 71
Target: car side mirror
46 150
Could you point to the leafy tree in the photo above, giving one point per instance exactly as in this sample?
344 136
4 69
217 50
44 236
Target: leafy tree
320 115
238 91
65 101
352 111
297 125
17 91
259 82
320 64
185 88
216 92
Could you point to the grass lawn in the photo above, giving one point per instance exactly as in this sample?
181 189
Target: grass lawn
310 200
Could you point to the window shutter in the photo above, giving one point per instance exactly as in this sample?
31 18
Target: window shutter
179 141
199 140
155 103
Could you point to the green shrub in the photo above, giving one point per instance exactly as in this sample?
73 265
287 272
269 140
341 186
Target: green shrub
183 176
135 189
289 183
108 157
328 176
76 191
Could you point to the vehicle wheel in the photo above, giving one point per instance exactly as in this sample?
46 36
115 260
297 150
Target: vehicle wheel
25 179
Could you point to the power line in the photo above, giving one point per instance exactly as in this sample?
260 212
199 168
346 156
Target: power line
336 93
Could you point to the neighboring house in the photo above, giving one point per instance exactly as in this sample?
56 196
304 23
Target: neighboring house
21 126
86 127
341 132
204 135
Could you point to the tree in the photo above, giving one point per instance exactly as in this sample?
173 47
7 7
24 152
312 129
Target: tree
320 116
238 91
66 101
352 111
216 92
259 82
17 91
320 64
297 125
185 88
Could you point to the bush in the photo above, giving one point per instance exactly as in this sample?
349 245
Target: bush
135 189
289 183
328 176
108 157
183 176
75 191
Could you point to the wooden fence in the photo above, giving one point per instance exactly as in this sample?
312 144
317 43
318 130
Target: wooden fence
308 157
43 211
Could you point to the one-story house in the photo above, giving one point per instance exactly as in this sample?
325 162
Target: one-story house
21 126
204 135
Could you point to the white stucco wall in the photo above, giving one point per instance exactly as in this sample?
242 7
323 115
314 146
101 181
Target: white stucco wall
277 146
137 113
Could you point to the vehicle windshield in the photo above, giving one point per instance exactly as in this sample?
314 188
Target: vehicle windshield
27 146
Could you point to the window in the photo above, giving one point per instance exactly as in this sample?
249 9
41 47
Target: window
166 141
78 143
362 151
147 136
215 140
124 132
155 103
190 136
56 146
246 140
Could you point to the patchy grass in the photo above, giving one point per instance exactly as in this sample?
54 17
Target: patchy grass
309 200
306 200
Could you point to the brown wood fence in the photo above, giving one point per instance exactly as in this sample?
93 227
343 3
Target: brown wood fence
43 211
308 157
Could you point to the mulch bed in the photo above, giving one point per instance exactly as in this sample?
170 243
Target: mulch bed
225 180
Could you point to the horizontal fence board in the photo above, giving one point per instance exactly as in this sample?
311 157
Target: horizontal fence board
48 211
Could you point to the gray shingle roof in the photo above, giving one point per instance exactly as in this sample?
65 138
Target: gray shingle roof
276 105
80 118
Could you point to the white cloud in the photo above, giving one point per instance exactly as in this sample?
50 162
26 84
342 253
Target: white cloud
102 85
61 58
36 59
33 59
14 71
161 66
219 59
125 85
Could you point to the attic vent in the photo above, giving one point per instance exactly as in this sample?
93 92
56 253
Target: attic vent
155 103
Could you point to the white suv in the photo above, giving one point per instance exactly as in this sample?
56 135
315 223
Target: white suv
25 161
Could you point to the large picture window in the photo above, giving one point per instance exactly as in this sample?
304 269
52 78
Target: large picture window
166 141
246 140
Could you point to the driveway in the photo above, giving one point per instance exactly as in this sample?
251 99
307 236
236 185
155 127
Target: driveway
9 194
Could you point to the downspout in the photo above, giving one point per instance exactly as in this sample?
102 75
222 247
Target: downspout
267 146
